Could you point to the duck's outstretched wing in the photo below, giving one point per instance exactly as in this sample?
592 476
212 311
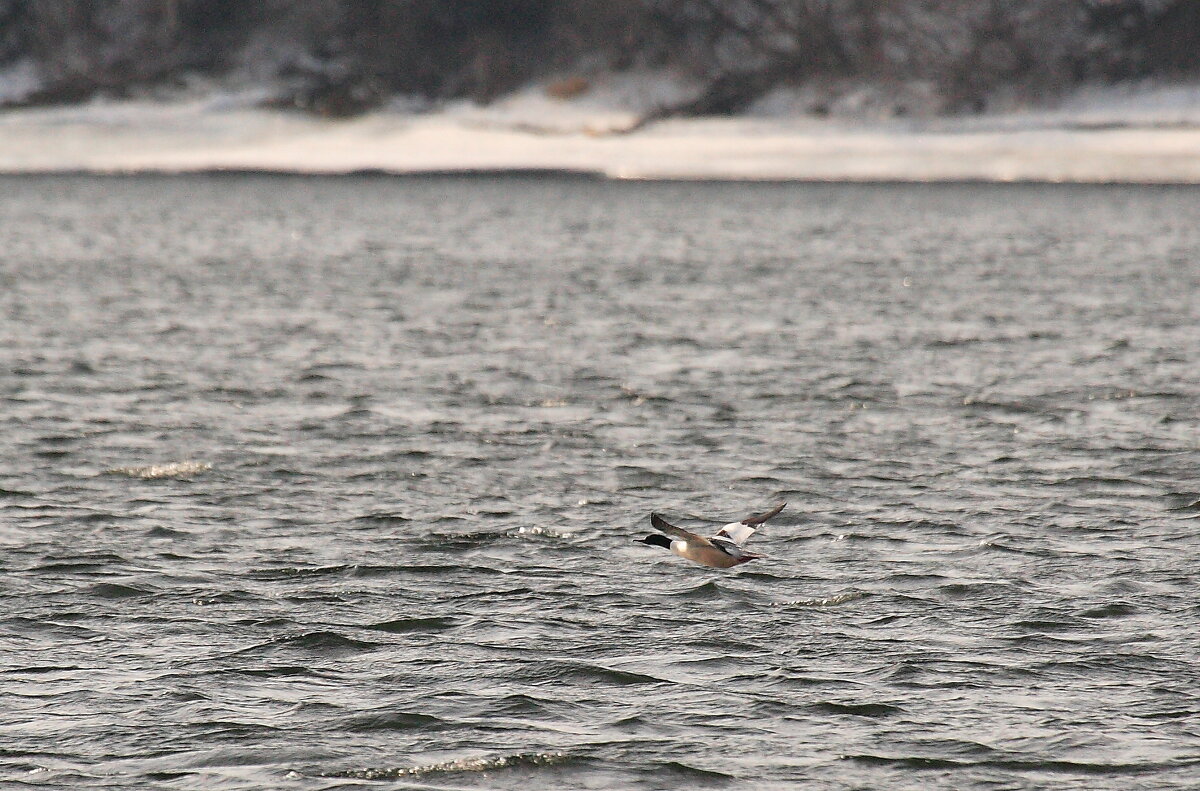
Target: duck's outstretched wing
671 530
758 520
740 532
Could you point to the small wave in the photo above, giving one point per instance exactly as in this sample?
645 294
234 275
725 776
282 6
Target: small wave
167 776
949 343
825 601
365 571
464 540
1174 714
317 642
295 572
276 671
704 591
1054 767
632 478
462 765
555 671
519 705
761 480
225 597
967 590
507 595
858 709
15 493
40 669
160 531
396 721
113 590
1044 625
341 365
326 642
908 761
868 539
383 518
302 598
40 626
523 532
1177 501
403 625
1004 407
179 469
996 542
634 724
610 675
1112 610
693 774
96 519
58 439
443 568
80 563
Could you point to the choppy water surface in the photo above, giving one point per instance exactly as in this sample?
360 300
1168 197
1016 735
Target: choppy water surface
313 484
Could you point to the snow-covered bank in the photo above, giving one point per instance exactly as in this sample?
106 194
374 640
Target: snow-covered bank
1106 137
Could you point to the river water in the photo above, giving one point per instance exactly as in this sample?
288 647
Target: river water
332 483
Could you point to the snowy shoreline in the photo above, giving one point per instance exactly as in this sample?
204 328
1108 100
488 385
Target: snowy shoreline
1098 141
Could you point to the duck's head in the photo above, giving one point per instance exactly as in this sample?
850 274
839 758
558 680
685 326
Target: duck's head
655 540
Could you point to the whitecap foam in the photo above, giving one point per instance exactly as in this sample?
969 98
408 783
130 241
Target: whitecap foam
177 469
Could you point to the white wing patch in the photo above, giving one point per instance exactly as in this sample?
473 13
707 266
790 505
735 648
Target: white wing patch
737 532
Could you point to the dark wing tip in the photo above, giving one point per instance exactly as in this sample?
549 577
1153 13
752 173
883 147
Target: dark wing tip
660 523
758 520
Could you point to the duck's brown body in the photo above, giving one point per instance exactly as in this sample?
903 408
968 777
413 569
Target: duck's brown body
709 555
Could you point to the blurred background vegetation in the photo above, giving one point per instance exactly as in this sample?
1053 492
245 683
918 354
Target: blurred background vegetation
341 57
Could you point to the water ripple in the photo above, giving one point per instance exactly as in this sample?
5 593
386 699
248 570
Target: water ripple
325 483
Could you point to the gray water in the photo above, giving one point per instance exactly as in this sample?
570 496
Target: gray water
332 483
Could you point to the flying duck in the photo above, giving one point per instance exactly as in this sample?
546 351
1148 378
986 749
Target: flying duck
722 551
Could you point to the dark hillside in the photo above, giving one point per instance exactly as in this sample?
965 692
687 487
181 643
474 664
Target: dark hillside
339 57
